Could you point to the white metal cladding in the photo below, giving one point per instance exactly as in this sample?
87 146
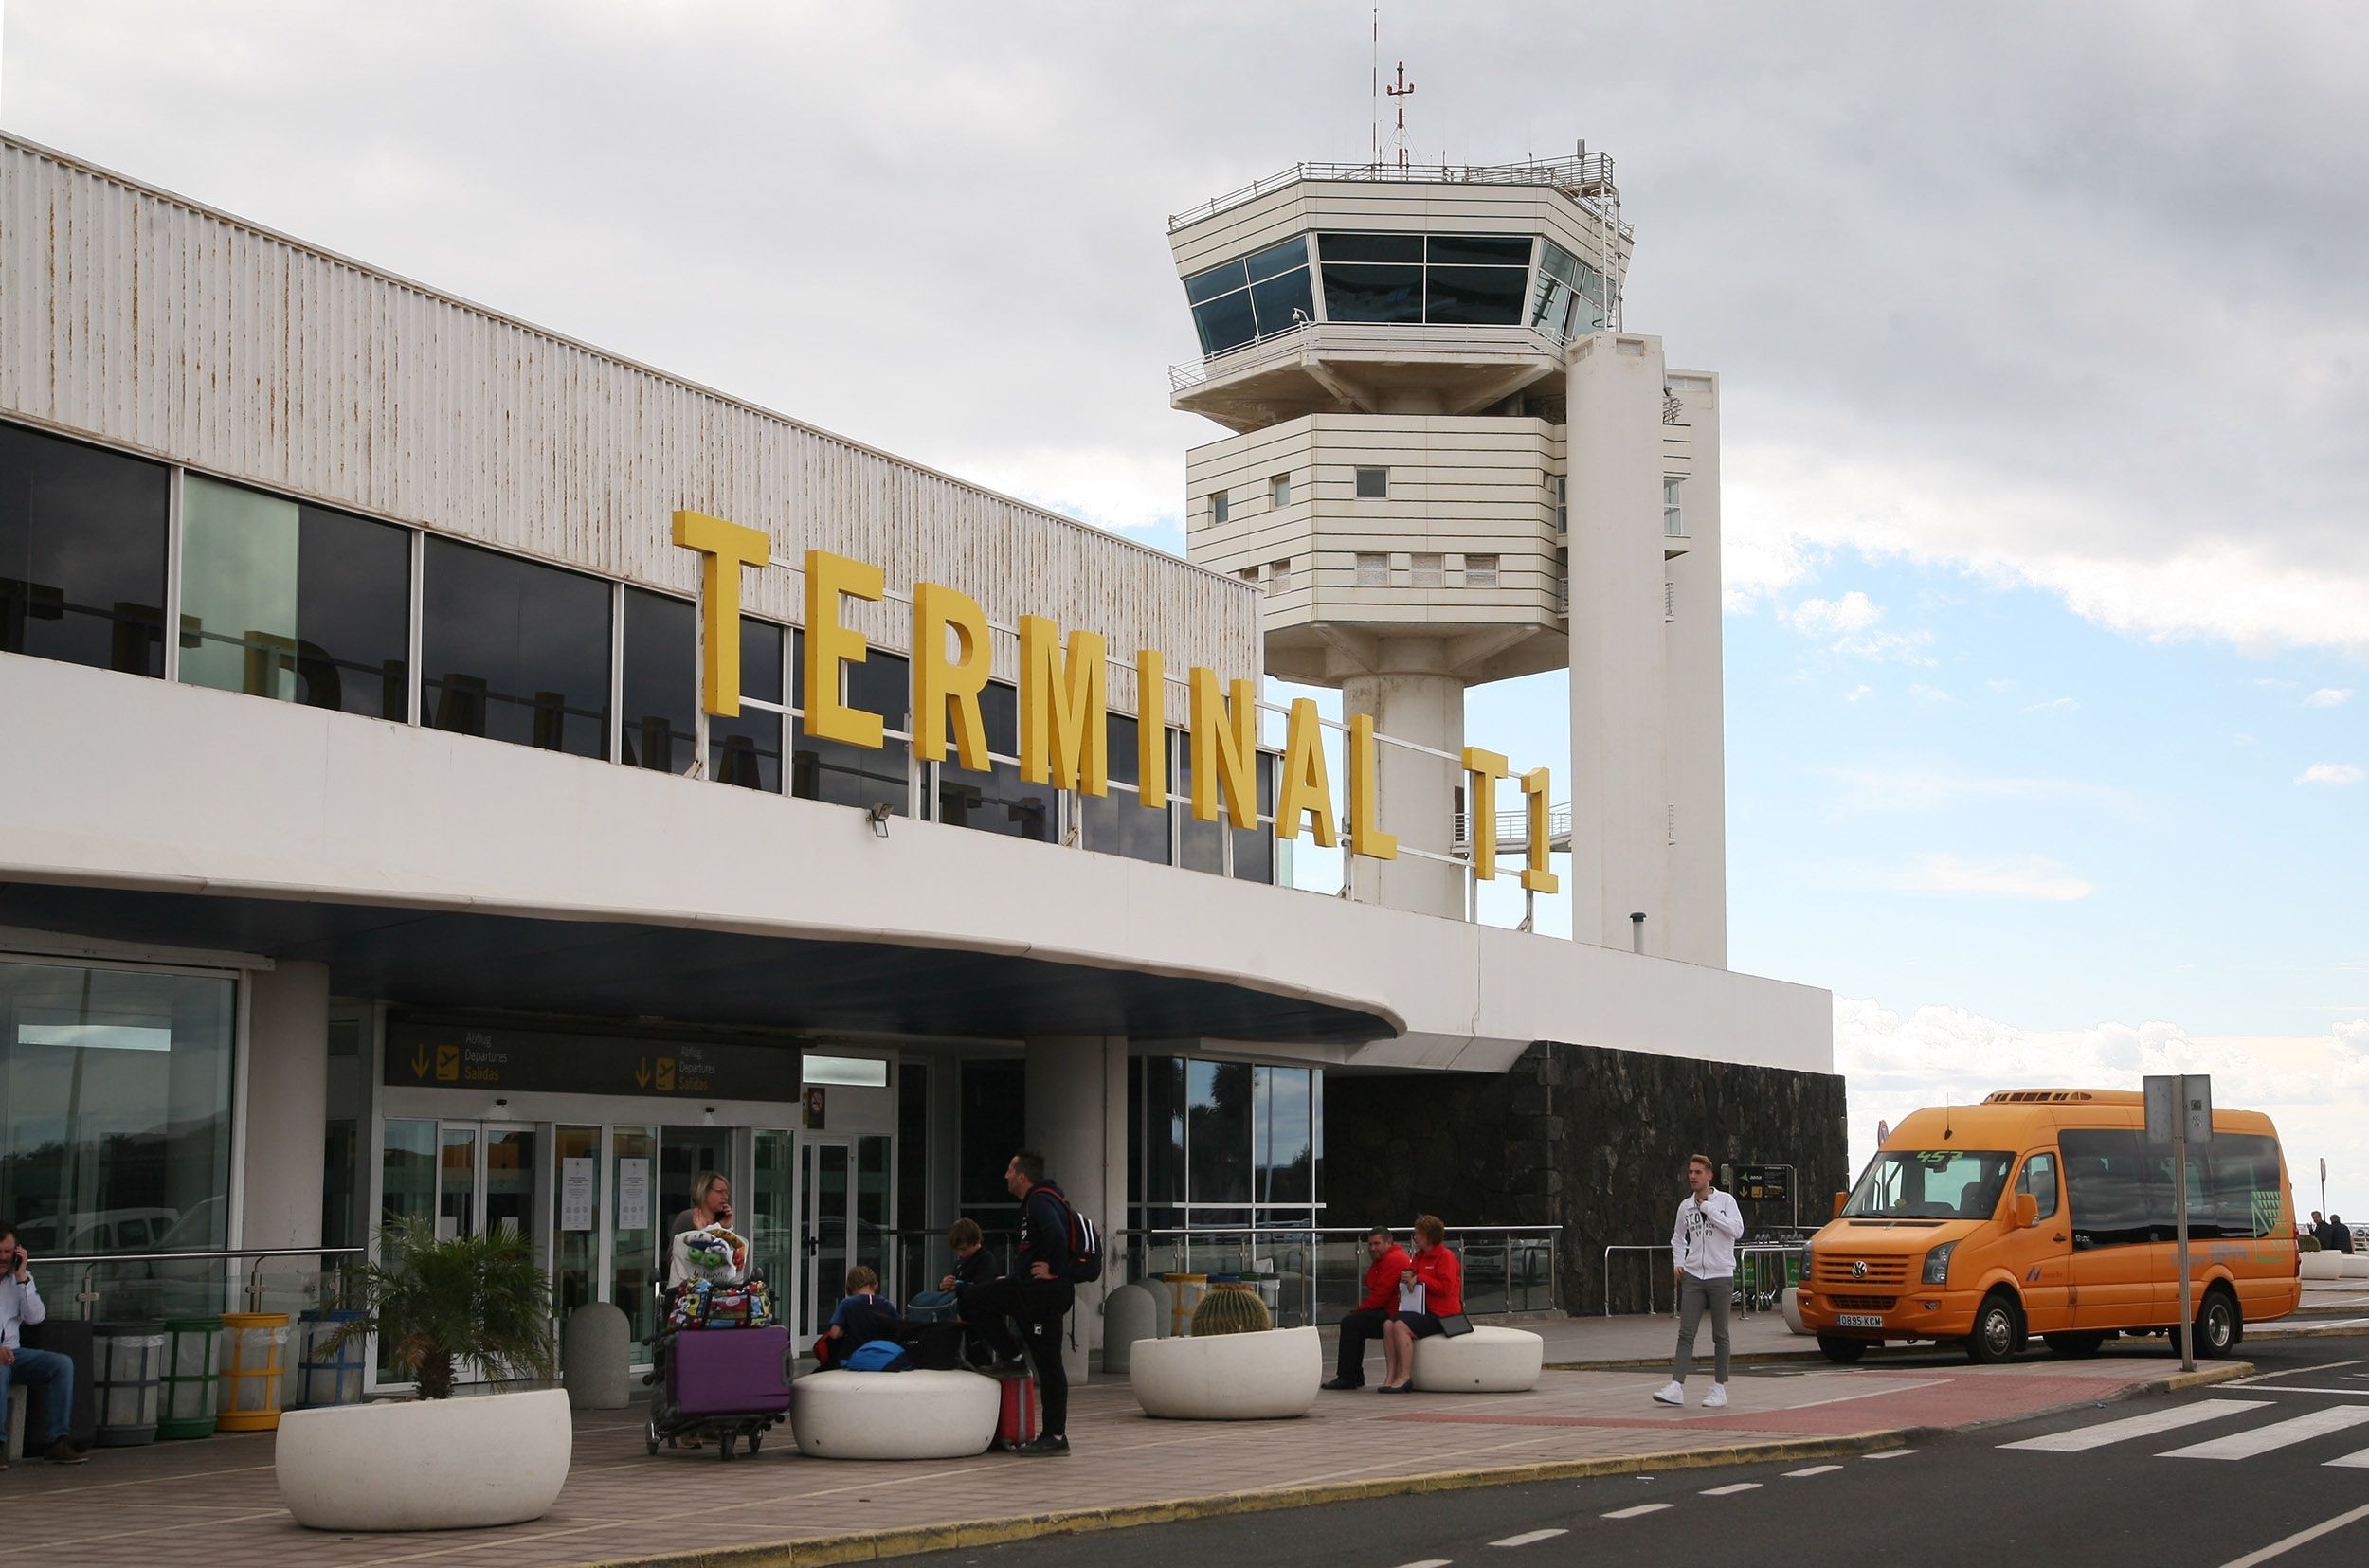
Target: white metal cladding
135 318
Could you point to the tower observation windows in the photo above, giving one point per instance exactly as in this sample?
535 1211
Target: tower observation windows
1570 298
1252 296
1443 279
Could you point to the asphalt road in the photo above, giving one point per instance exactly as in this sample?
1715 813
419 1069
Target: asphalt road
2227 1476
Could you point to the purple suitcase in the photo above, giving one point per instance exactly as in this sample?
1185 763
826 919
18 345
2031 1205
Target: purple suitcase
722 1372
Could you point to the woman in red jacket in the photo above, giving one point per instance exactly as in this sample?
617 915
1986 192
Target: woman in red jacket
1440 1273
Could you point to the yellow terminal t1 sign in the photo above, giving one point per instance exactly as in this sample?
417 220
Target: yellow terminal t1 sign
443 1055
1063 738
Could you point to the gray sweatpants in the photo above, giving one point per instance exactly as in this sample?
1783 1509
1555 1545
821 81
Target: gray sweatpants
1694 1296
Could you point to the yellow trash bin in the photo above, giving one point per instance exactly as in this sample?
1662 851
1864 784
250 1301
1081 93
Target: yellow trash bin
1184 1293
254 1352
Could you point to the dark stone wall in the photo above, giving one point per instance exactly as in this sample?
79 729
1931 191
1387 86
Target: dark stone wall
1592 1139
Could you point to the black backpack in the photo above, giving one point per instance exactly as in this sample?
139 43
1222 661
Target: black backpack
1085 1242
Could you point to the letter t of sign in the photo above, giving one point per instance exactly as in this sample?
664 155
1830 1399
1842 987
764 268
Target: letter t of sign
1483 769
725 549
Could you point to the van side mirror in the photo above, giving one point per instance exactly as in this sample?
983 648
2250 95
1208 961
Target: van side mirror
1840 1199
2026 1210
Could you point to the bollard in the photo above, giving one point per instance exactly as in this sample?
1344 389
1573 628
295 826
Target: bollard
593 1356
1129 1314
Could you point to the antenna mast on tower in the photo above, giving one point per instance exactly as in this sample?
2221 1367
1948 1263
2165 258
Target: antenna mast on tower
1373 95
1402 92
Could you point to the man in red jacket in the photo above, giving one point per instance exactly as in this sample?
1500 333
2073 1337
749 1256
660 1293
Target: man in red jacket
1379 1306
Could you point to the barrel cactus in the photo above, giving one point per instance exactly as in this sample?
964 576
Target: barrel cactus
1231 1309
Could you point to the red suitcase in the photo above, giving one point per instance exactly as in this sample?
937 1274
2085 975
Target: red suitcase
1017 1422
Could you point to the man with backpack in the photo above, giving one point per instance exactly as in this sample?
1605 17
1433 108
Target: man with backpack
1057 1249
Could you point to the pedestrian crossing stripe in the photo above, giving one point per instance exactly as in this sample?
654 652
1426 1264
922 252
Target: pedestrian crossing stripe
2082 1439
2278 1435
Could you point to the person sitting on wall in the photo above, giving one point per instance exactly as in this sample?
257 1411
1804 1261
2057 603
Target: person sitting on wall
1371 1318
973 1268
21 1307
1432 1287
863 1315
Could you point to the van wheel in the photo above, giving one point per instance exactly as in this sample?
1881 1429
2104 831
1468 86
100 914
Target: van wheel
1998 1327
1840 1350
2216 1325
2074 1344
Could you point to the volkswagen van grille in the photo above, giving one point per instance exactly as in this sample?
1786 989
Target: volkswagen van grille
1862 1303
1862 1270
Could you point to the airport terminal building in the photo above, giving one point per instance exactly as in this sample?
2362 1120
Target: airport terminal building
452 771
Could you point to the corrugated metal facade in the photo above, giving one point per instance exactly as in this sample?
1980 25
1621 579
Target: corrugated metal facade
137 318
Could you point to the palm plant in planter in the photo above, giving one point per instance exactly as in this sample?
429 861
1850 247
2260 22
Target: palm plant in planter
433 1299
436 1462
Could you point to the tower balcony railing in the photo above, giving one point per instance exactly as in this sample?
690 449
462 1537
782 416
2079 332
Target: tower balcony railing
1513 829
1585 180
1398 340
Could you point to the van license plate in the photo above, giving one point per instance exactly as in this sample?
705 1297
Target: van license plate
1861 1320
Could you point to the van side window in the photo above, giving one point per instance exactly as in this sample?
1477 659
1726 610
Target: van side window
2112 1187
2039 1179
2120 1187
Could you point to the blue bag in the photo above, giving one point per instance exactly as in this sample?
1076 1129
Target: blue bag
875 1356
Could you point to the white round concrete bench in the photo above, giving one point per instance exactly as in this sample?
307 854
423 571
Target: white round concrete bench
2323 1265
2352 1265
1487 1361
894 1415
1266 1376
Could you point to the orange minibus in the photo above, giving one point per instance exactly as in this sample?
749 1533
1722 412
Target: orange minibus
2047 1212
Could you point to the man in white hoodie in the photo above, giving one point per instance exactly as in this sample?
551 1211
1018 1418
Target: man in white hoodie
1703 1259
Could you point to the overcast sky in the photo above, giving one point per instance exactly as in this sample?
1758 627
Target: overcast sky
2044 341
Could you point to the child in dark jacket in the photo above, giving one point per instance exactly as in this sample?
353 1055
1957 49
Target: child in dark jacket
863 1315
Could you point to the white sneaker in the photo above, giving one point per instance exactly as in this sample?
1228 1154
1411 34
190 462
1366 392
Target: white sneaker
1717 1397
1671 1392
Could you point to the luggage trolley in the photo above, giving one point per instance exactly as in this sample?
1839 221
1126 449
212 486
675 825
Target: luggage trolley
729 1384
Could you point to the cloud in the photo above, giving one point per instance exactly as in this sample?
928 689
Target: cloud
1858 692
1932 697
2328 696
2027 876
2000 687
2311 1085
2054 705
1848 628
1823 618
1930 787
2329 773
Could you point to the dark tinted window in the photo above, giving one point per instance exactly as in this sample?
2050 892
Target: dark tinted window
1218 1112
1277 259
855 775
1478 297
353 613
514 651
2039 1179
997 800
994 1109
1254 847
1224 278
1284 1139
1373 293
82 554
1282 303
1200 846
2117 1195
1368 247
1117 824
2242 1195
1479 251
746 751
659 723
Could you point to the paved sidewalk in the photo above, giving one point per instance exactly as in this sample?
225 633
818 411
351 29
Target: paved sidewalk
215 1501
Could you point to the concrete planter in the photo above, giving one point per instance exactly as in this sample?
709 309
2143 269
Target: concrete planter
425 1464
918 1415
2352 1265
2323 1265
1792 1309
1490 1359
1264 1377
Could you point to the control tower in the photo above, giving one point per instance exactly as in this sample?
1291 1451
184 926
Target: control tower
1451 463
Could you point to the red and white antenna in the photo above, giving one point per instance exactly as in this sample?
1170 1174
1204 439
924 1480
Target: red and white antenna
1401 93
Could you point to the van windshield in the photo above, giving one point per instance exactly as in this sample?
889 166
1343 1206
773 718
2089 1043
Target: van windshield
1931 1184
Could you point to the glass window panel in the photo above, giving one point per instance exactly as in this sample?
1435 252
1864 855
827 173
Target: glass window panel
1373 484
748 750
407 1171
1218 1115
1163 1130
1475 297
295 603
2039 1179
1279 258
913 1147
1550 307
2111 1186
1316 1138
514 651
872 1208
1373 293
657 726
115 1108
1556 262
510 1183
855 775
1117 824
456 1181
1283 303
997 800
1223 278
772 1212
576 1253
1200 846
1368 247
1479 251
634 1221
1254 847
82 553
1288 1137
994 1098
1226 323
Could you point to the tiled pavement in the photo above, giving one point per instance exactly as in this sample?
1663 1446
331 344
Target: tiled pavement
214 1502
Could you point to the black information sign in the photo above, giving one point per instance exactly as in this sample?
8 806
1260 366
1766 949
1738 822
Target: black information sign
448 1055
1772 1183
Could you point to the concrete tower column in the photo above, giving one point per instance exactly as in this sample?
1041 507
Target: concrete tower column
1077 1100
287 1106
1409 699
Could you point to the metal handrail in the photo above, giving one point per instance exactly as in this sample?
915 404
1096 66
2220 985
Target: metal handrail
93 1262
1585 180
1744 1251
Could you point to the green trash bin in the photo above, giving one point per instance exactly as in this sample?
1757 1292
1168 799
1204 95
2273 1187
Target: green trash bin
192 1363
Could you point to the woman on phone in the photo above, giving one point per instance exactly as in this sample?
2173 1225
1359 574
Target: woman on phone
1431 1287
